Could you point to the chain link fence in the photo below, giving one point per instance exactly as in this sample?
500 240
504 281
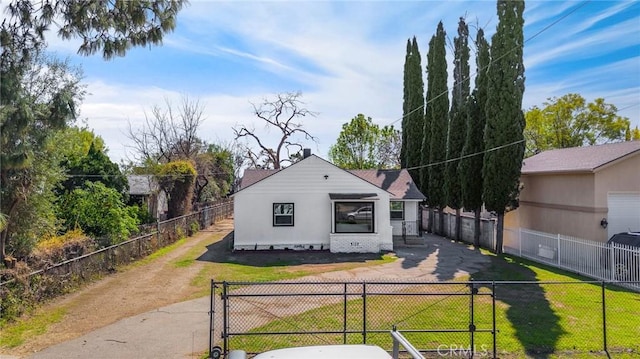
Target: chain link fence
19 290
441 319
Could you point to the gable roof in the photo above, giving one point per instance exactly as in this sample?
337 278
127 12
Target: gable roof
142 184
253 175
397 182
579 159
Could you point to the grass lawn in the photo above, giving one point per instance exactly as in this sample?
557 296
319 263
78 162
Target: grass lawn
216 261
222 264
539 320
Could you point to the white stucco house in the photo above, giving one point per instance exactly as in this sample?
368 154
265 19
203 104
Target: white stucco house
315 205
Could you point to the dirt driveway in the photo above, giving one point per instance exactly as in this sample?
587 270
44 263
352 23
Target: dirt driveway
131 313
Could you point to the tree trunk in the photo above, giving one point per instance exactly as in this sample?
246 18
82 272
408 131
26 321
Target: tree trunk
476 229
430 220
499 233
2 246
458 225
441 229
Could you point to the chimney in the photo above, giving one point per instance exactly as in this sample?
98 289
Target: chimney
306 153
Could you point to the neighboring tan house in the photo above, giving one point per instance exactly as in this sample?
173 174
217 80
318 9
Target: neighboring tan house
314 205
586 192
145 191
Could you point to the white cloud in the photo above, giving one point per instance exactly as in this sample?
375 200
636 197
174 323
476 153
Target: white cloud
348 57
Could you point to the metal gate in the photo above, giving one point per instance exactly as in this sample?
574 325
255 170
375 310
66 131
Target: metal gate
444 318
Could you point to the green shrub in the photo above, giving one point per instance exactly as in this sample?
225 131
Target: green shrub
99 211
194 227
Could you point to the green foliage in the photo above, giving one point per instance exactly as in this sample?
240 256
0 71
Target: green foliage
471 183
194 227
437 113
388 147
177 180
569 121
94 166
458 116
142 214
632 134
413 124
505 120
38 96
31 191
405 104
99 211
73 143
108 26
215 173
363 144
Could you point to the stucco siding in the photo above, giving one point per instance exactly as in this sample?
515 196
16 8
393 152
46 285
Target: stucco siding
573 204
570 222
575 190
623 176
304 185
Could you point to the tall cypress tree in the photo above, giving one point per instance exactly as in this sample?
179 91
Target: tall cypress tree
405 105
505 120
471 183
415 115
426 139
438 113
458 121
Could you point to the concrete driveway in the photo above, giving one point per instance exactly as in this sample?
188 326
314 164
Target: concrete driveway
182 330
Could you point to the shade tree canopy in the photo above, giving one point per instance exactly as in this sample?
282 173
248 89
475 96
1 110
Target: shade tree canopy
111 27
362 144
571 121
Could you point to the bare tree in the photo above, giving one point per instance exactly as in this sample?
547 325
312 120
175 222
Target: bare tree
283 114
169 133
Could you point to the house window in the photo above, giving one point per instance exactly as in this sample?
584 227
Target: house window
283 214
354 217
397 210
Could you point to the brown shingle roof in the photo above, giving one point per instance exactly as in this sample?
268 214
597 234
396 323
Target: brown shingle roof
252 176
397 182
579 159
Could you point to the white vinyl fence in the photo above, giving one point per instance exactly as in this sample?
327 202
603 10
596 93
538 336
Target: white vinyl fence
598 260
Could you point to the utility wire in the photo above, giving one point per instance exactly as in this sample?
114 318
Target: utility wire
582 4
466 156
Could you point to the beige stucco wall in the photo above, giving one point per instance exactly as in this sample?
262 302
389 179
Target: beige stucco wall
622 176
560 203
573 204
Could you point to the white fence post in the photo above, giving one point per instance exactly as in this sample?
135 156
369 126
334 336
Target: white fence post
612 263
520 241
558 250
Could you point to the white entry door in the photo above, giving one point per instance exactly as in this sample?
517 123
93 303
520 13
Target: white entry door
624 212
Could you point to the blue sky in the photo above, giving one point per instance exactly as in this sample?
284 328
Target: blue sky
346 57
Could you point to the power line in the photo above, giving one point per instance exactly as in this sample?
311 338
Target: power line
467 156
628 107
582 4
